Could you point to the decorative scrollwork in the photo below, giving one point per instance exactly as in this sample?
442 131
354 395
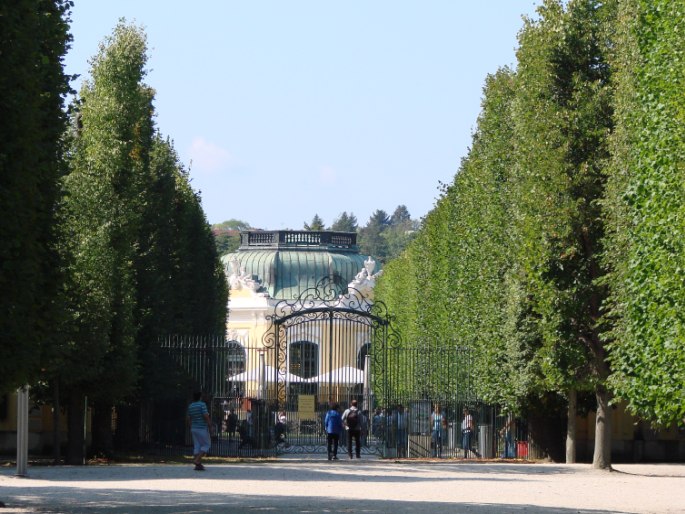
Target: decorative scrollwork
371 448
329 293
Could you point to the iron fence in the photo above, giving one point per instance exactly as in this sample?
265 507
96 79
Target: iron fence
406 386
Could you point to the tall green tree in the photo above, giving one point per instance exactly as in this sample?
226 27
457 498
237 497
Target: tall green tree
142 258
484 278
34 38
109 168
563 118
645 201
180 286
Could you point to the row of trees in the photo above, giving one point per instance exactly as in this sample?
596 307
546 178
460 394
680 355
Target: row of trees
112 249
556 253
384 237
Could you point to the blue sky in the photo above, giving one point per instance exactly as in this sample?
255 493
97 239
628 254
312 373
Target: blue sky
286 109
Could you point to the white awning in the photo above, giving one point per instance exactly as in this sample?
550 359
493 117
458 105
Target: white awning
271 375
347 375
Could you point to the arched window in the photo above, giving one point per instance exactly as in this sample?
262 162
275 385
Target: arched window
361 356
235 358
304 359
235 364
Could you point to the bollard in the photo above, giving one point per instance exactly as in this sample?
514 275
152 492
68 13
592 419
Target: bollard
22 430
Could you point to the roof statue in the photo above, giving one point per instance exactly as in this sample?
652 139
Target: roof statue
239 278
362 285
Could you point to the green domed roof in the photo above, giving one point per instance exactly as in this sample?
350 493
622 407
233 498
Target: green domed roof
286 263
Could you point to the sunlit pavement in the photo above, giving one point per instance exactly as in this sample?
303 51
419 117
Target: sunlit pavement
367 485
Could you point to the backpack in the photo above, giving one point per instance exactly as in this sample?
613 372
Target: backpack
352 418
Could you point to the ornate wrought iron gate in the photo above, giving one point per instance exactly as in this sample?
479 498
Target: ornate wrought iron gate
322 350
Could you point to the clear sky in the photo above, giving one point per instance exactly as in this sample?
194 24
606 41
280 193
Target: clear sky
286 109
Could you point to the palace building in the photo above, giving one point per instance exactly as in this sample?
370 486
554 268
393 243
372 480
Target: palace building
273 274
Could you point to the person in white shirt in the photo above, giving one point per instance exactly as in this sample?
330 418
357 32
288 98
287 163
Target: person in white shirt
437 420
466 432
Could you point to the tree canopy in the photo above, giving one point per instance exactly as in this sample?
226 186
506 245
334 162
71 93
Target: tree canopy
345 223
646 212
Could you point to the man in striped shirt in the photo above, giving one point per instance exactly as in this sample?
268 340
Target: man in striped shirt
200 428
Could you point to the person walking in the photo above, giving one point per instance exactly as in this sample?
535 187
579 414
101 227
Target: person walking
402 436
352 419
365 428
466 432
280 429
378 424
200 424
437 420
334 425
231 424
507 433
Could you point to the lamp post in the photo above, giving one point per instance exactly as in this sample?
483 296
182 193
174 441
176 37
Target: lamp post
261 377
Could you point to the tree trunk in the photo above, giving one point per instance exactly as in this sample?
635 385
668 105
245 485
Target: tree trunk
103 443
76 451
546 426
602 454
571 428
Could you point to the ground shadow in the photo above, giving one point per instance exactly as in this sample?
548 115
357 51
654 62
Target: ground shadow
299 471
54 500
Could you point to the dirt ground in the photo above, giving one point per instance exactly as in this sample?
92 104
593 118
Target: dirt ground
367 485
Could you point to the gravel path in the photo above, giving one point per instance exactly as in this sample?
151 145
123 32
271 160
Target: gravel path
366 486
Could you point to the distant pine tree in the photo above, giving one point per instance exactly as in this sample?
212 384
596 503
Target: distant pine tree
345 223
316 224
371 237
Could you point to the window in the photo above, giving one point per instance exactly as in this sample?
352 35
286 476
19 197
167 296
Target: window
361 356
304 359
235 364
235 358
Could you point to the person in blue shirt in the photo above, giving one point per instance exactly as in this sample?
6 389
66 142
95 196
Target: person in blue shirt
400 418
200 428
334 425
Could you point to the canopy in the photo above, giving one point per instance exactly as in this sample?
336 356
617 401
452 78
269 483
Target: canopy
270 375
347 375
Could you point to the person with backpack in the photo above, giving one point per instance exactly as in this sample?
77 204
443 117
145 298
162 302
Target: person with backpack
352 419
333 424
280 429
